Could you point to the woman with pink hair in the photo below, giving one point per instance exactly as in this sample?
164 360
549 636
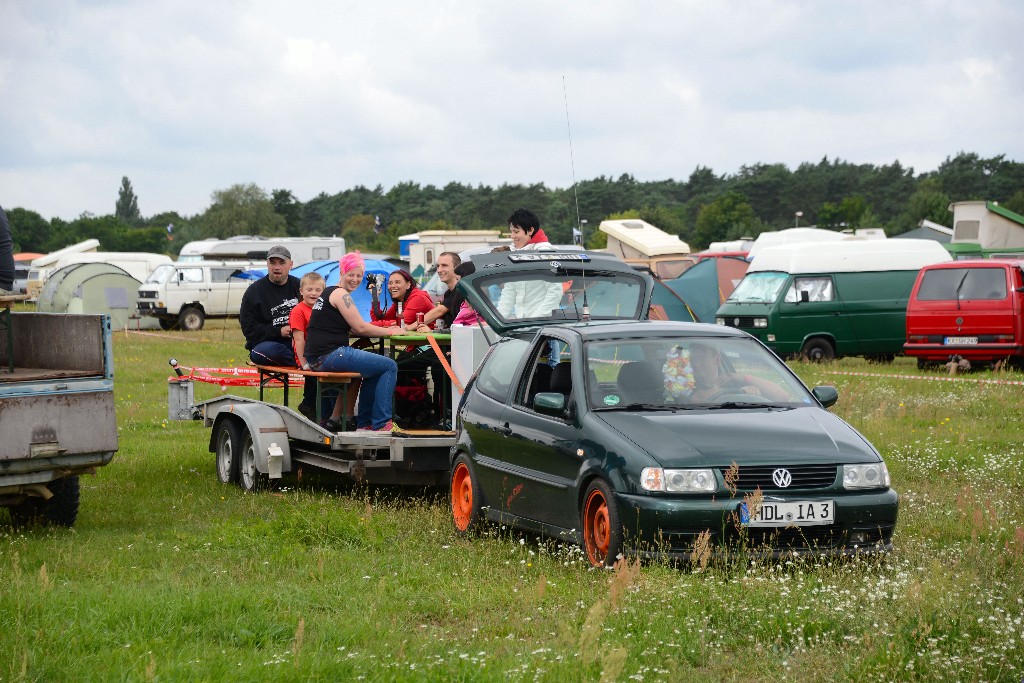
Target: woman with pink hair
335 317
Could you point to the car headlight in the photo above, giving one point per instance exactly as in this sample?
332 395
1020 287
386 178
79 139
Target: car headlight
873 476
719 321
678 481
761 322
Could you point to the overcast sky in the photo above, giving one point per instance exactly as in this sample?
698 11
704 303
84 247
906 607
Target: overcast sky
187 97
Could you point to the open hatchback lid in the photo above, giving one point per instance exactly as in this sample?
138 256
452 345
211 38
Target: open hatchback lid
517 289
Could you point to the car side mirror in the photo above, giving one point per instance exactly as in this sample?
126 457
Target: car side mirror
826 395
180 277
549 403
805 296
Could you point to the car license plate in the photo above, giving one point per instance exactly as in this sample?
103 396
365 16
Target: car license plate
962 341
797 513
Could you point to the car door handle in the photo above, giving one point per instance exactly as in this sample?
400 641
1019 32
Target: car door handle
504 430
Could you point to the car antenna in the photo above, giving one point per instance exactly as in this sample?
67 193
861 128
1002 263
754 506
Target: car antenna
579 224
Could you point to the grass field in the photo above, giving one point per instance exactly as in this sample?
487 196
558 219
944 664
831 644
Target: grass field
169 575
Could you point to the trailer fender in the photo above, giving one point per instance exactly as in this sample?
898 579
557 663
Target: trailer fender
269 436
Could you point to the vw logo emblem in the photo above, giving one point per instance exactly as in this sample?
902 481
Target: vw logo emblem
959 321
782 478
735 322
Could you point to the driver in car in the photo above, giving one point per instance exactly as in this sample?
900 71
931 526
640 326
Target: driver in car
713 380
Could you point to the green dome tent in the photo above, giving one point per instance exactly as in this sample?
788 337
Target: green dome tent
95 288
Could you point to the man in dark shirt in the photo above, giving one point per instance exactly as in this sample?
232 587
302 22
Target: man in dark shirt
266 305
6 256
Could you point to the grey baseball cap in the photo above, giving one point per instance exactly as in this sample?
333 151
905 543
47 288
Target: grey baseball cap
278 251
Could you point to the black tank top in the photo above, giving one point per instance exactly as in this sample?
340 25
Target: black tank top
327 329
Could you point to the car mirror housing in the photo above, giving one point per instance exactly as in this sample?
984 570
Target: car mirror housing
549 403
826 395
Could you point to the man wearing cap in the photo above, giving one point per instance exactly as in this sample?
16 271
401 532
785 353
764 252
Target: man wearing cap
266 305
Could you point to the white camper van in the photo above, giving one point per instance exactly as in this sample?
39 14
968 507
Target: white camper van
44 265
249 248
184 294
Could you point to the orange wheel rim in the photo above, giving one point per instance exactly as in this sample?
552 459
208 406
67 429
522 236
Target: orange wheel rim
597 529
462 496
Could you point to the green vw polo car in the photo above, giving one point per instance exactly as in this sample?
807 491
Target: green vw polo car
589 422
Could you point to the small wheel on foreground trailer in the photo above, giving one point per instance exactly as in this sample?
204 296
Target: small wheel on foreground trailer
818 350
229 447
249 478
166 324
191 319
465 493
60 510
602 530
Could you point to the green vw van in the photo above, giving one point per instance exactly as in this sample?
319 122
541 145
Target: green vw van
827 300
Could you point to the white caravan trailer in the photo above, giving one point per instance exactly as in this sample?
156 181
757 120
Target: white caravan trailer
249 248
44 265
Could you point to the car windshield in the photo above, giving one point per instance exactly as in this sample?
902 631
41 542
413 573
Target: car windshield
759 288
686 372
160 275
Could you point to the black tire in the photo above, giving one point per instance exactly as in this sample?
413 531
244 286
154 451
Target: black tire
602 529
465 497
229 446
166 324
250 479
818 350
880 358
60 510
191 318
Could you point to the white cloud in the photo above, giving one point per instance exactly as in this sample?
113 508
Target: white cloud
189 97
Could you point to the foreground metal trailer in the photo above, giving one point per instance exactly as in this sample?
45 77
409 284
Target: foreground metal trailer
257 442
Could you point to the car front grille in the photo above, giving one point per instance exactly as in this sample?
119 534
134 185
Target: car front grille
751 477
740 321
147 295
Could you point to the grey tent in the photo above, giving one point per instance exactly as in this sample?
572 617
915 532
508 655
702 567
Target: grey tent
95 288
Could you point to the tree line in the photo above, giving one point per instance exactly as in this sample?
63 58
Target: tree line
704 208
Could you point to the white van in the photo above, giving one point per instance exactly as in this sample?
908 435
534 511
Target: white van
184 294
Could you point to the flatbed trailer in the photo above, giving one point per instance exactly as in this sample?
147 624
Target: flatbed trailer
256 442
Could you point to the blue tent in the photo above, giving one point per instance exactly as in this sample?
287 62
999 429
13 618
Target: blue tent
668 305
707 284
330 272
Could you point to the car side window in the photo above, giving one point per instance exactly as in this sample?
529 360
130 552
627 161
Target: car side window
190 275
498 372
549 371
816 288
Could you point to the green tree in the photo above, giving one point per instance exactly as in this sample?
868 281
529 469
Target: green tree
30 230
928 202
1015 203
127 207
241 210
727 217
289 208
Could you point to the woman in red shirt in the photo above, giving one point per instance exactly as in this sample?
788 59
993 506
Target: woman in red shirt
407 301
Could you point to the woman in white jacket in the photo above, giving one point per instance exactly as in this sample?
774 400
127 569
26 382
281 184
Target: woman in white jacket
528 299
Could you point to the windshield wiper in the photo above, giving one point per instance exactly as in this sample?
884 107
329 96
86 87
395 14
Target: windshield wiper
742 405
644 406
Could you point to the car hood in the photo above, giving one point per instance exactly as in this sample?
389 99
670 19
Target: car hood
752 437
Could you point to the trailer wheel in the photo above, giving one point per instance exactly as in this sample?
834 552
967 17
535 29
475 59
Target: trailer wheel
229 447
249 478
465 497
818 350
602 530
191 318
60 510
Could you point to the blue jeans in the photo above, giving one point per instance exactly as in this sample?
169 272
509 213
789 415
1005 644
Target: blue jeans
279 353
379 374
